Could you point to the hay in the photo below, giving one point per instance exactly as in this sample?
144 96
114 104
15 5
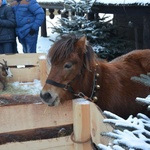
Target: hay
19 88
21 93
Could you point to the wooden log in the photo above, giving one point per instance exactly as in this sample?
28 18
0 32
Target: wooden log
18 99
81 122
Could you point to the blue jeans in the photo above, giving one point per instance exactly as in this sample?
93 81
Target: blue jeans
29 43
6 48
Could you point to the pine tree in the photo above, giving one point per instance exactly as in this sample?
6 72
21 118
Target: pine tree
100 32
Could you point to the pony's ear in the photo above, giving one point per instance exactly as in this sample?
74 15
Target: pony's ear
81 43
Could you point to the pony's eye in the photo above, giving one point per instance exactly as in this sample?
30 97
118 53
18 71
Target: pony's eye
68 65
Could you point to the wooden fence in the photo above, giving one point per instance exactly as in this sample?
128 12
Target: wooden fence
25 119
86 119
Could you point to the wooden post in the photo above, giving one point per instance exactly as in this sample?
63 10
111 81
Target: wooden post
81 122
146 32
136 38
43 69
43 26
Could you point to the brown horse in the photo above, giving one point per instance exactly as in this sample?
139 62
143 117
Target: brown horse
77 72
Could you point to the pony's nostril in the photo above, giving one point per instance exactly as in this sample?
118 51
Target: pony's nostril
45 96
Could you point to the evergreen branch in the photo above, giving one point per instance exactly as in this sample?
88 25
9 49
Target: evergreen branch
143 79
108 114
143 100
121 139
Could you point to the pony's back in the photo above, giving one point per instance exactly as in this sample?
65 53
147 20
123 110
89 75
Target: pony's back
118 92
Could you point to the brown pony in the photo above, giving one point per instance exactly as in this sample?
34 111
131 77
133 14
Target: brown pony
77 72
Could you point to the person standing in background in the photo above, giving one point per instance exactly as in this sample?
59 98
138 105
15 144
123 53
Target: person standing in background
29 17
7 29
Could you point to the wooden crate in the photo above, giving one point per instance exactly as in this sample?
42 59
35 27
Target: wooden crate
26 67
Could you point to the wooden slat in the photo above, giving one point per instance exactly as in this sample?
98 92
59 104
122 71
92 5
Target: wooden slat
97 125
30 116
62 143
21 59
25 74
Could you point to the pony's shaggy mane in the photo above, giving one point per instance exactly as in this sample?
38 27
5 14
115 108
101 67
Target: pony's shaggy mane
64 46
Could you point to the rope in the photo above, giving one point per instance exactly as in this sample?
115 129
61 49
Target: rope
79 142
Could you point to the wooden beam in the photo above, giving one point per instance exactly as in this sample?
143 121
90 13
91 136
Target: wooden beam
21 59
26 74
52 5
138 10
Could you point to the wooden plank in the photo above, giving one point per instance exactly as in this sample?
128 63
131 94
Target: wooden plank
21 59
97 125
62 143
27 74
30 116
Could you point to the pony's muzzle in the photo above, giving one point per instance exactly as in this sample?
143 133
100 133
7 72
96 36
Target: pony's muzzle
47 98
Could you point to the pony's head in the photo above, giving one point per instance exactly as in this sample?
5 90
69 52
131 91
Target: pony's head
70 57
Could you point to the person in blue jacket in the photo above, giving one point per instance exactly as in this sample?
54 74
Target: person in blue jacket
29 17
7 29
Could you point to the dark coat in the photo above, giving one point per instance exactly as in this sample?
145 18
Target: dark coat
7 24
